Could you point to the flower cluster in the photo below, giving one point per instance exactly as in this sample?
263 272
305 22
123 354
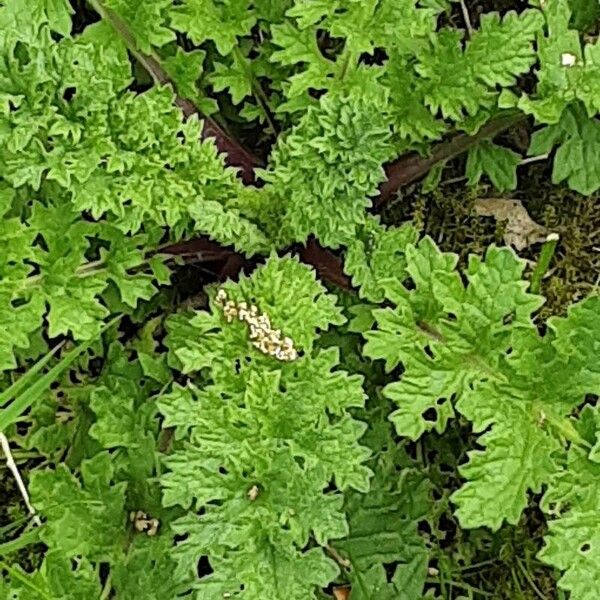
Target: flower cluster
143 523
264 337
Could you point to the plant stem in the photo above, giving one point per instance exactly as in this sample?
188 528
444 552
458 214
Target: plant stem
466 17
94 267
236 155
532 159
463 586
412 167
259 94
24 540
26 581
546 255
340 560
106 589
530 580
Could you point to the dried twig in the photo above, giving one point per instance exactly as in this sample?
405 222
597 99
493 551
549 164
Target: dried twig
466 17
532 159
339 559
12 466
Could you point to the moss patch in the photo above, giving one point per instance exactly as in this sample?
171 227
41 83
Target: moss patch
448 216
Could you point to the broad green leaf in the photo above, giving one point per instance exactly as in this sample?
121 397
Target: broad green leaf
547 378
576 159
503 49
498 163
473 348
84 517
571 503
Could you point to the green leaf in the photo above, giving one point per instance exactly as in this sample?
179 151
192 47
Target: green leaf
26 380
569 70
185 69
460 83
59 15
503 49
221 21
147 571
145 20
83 517
448 83
576 160
440 325
571 503
252 418
24 540
56 579
119 421
585 13
377 255
474 349
322 174
517 458
383 530
498 163
548 378
234 77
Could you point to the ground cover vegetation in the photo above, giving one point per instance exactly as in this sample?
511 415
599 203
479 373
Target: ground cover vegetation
299 299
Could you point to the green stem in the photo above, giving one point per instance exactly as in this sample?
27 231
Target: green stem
463 586
259 94
345 59
15 574
22 456
483 563
543 263
24 540
106 589
530 580
89 269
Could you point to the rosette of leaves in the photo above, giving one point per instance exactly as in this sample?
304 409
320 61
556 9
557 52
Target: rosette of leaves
108 150
468 344
93 178
263 448
323 172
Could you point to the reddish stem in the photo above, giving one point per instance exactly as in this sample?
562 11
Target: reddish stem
405 170
412 167
236 155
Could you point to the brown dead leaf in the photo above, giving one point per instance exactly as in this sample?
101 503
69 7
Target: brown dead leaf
342 593
521 230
